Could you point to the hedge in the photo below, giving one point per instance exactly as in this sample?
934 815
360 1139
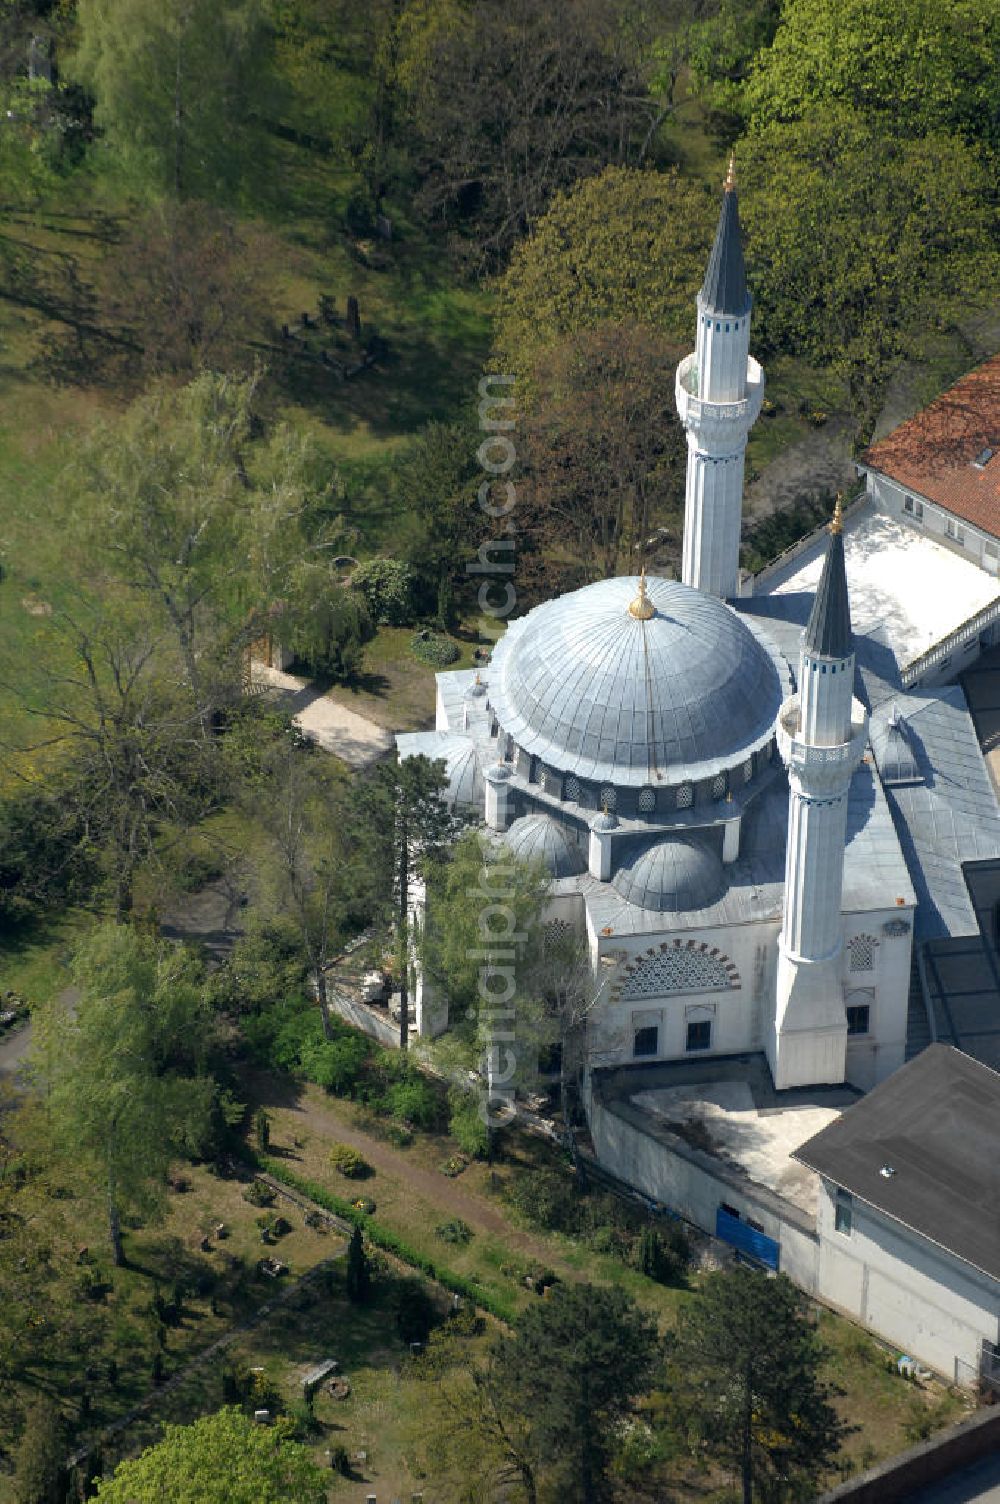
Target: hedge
389 1241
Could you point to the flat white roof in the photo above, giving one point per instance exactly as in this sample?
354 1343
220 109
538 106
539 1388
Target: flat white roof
762 1144
907 591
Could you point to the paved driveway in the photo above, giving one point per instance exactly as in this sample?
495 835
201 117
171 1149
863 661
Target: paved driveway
333 727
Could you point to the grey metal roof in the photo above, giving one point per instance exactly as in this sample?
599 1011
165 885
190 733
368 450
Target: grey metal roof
671 875
828 630
537 838
950 815
591 689
936 1124
725 287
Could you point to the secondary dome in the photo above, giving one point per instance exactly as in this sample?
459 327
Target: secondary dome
671 875
537 838
597 690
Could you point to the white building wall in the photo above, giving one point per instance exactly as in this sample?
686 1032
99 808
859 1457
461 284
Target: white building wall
930 1304
982 547
695 1190
740 1016
885 989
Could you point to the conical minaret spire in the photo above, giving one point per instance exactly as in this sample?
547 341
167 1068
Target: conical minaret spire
719 390
821 736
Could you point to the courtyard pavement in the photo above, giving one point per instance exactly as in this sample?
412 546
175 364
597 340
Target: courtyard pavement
349 736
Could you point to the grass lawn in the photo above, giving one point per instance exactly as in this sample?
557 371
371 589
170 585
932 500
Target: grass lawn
413 1198
34 959
394 688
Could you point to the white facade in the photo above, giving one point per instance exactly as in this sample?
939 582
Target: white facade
934 1306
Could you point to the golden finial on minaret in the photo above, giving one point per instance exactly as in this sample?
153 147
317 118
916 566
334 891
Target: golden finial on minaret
642 607
837 525
730 182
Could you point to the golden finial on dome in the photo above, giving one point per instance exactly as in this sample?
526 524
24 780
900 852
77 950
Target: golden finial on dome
642 607
730 182
837 525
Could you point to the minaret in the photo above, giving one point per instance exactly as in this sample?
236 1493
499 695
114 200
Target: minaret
719 390
821 737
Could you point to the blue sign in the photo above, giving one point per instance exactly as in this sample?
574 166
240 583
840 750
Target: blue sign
756 1245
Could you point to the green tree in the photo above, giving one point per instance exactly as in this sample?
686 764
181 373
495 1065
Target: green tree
358 1270
122 1073
859 242
605 454
318 878
720 47
185 292
912 67
626 246
39 1459
568 1376
387 588
181 90
412 828
203 527
747 1374
466 933
507 103
221 1459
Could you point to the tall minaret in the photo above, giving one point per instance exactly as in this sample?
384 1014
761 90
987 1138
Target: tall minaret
821 737
719 389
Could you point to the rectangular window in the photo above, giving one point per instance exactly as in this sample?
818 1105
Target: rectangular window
647 1041
844 1215
757 1226
730 1211
954 531
990 549
858 1019
699 1035
907 503
918 511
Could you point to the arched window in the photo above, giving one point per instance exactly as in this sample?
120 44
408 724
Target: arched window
680 968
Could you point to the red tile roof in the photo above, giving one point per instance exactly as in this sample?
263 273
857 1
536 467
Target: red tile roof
934 453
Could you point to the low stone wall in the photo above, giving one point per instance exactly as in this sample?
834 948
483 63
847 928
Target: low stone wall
894 1482
369 1020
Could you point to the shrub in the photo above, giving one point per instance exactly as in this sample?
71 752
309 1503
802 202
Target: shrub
258 1193
431 647
349 1163
387 588
336 1064
454 1166
413 1100
465 1123
454 1231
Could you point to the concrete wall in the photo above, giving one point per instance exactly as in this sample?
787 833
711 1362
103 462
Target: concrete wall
365 1018
693 1184
895 1482
914 1294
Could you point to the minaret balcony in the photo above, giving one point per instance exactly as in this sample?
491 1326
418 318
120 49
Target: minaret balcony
819 767
724 418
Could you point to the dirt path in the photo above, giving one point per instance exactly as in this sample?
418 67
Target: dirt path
449 1195
352 737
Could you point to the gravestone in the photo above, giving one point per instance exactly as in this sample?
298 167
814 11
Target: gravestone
39 61
327 308
353 318
383 227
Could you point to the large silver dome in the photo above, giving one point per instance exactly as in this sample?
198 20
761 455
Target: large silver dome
683 689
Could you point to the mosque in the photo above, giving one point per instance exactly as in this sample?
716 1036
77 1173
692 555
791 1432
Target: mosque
746 801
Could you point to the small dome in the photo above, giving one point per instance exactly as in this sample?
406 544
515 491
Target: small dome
671 875
537 838
476 689
461 765
499 772
606 820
